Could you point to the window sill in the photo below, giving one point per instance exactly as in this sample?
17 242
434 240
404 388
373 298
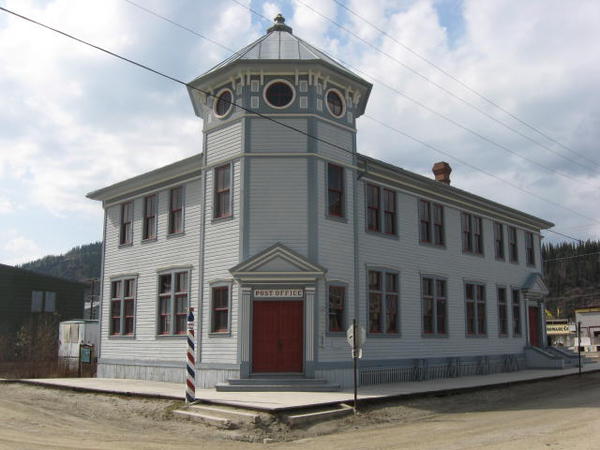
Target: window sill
516 263
147 241
121 336
434 336
384 335
500 259
127 244
216 334
432 245
476 336
477 255
339 219
216 220
171 336
503 336
175 235
382 234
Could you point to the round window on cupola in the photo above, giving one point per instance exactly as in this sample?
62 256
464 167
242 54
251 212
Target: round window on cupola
335 103
223 103
279 94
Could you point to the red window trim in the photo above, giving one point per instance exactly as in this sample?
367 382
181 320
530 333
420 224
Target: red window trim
147 232
119 297
219 309
425 219
389 211
126 233
341 309
376 208
337 191
173 210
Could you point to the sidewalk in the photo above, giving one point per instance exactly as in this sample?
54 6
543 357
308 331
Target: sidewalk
276 401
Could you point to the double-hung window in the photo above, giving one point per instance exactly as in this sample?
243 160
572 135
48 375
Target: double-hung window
383 302
381 210
516 312
220 310
222 192
173 301
122 307
126 226
150 222
475 309
431 229
513 248
502 312
373 207
529 249
176 210
435 316
335 190
43 301
472 234
337 304
499 240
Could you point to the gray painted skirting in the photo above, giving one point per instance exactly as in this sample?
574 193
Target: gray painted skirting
172 364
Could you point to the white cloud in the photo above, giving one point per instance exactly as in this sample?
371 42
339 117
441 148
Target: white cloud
18 249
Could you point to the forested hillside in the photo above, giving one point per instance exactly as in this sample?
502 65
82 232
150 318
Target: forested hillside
80 263
572 274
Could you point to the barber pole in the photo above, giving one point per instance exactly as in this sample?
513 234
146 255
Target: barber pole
190 389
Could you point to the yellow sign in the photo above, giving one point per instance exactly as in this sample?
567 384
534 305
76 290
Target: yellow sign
558 329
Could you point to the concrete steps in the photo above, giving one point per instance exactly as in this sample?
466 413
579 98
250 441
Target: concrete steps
218 416
303 417
277 384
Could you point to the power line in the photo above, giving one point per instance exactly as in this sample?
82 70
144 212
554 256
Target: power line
566 235
154 13
463 84
171 78
437 85
572 257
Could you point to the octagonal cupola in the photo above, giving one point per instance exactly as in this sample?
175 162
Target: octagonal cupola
279 74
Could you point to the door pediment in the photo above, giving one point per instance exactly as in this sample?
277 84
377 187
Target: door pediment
534 286
277 263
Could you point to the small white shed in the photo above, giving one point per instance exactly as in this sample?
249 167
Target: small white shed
73 333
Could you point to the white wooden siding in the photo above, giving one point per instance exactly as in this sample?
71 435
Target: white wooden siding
412 259
269 137
221 252
278 202
144 259
223 143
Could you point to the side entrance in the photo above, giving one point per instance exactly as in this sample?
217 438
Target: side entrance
277 336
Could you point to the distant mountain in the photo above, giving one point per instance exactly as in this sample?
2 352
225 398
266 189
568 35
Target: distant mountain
80 263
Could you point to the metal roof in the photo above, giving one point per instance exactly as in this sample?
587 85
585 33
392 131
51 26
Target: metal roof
279 44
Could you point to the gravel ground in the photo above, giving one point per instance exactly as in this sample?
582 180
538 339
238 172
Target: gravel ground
560 413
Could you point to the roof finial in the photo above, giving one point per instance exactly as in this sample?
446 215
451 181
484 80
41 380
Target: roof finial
279 25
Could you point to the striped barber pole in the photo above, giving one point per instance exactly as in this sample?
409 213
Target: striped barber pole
190 385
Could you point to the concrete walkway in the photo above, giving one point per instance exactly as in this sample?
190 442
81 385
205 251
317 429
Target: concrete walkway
276 401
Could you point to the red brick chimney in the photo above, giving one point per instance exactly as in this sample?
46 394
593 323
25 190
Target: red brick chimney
442 170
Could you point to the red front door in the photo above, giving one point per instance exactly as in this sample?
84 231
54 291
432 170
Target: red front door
534 327
277 336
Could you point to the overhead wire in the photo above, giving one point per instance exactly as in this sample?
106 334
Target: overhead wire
176 80
462 83
437 85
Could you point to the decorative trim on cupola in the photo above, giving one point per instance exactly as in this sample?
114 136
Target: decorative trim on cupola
279 25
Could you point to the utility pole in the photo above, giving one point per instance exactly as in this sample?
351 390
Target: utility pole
579 345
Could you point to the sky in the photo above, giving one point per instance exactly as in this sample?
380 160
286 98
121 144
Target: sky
73 119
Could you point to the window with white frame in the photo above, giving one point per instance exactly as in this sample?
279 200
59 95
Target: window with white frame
337 305
529 249
126 224
383 302
502 312
335 190
219 309
381 210
122 307
499 240
43 301
435 311
222 192
513 247
150 222
431 223
516 312
176 210
475 309
472 234
173 301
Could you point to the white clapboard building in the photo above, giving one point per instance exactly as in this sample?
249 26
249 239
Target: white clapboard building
280 233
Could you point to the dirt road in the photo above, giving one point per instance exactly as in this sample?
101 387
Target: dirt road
556 414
